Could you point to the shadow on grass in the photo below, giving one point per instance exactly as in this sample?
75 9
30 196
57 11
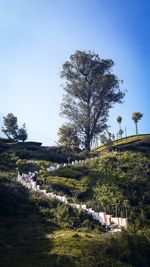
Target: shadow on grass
28 237
24 230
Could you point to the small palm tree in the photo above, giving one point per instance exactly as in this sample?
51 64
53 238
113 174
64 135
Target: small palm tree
136 116
119 120
125 131
120 133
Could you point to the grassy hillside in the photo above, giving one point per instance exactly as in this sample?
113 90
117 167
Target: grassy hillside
30 225
108 182
11 151
33 233
38 232
139 143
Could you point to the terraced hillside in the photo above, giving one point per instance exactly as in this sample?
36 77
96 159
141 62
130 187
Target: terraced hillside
36 231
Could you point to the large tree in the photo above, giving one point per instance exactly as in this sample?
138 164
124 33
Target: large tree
91 90
136 116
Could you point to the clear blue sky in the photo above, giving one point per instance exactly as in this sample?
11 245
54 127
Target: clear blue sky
38 36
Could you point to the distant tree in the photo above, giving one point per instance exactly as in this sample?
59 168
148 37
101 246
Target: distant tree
11 129
136 116
68 136
125 131
10 126
108 138
109 135
119 120
120 133
103 139
113 137
22 133
95 140
91 90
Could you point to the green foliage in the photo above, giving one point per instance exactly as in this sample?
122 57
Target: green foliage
33 151
112 182
11 129
71 187
103 139
108 195
7 162
83 154
119 119
22 133
68 137
10 126
25 166
73 218
120 133
71 172
136 116
130 248
106 251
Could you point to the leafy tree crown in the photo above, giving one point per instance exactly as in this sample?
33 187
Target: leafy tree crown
91 90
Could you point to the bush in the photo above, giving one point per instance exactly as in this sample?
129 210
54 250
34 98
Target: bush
72 173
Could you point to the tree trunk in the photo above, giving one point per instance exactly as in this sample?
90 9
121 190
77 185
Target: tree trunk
87 145
87 142
136 127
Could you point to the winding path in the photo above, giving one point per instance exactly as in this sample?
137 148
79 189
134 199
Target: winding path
113 224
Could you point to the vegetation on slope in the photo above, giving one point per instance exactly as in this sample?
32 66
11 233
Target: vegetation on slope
27 222
34 233
38 232
118 183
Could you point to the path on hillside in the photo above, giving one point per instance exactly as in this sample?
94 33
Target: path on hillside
111 223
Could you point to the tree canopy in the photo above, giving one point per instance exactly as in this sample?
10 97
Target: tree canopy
10 126
136 116
68 136
11 129
91 90
22 133
119 120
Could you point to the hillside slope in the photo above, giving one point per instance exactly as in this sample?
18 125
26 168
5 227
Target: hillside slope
137 143
35 231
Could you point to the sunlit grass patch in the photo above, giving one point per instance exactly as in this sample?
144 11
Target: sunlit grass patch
123 141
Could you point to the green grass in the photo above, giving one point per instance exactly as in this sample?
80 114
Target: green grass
74 248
